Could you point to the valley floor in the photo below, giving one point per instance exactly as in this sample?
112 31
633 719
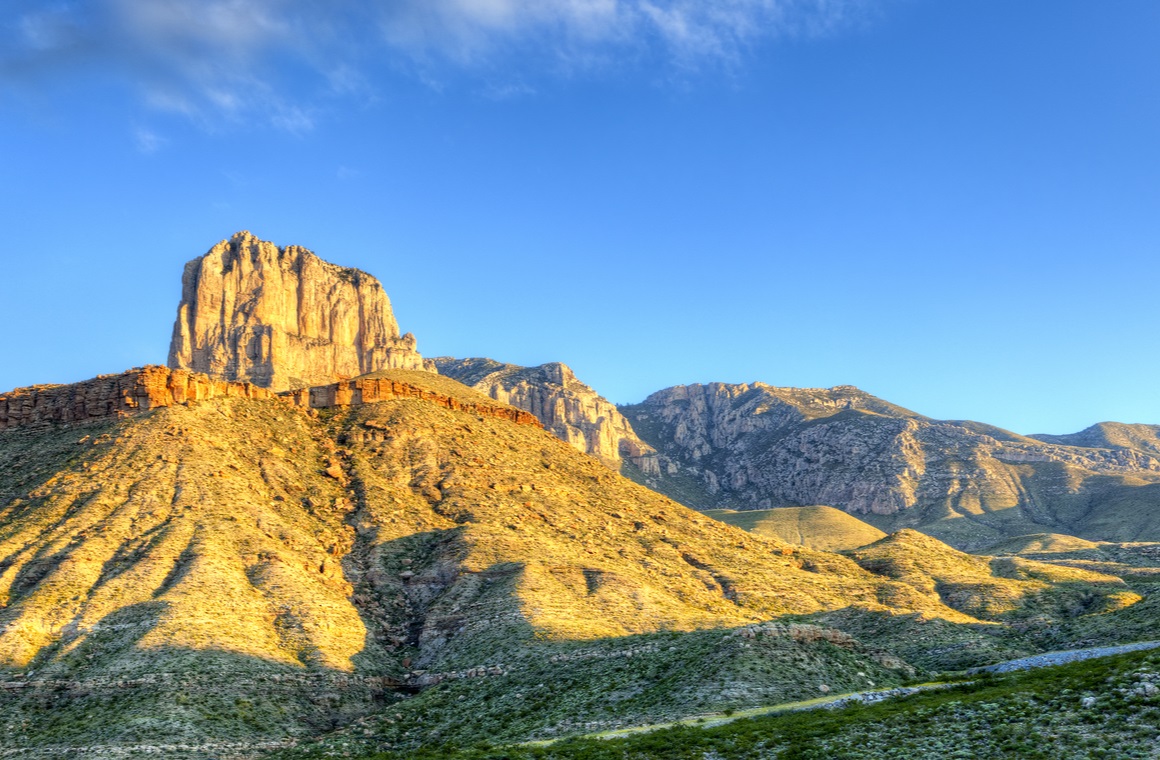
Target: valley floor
1108 707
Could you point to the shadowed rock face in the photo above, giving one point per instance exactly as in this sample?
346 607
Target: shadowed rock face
282 318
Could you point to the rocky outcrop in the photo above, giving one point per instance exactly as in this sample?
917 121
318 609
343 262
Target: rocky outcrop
153 387
137 390
568 408
758 446
282 318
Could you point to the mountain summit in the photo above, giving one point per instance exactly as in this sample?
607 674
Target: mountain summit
283 318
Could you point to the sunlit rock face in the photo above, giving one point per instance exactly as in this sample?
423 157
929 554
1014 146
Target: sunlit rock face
283 318
132 392
570 409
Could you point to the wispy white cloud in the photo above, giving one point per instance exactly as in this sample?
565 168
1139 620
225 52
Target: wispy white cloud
147 141
689 32
211 60
469 31
277 61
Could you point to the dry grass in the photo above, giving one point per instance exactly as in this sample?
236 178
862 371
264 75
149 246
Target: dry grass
815 527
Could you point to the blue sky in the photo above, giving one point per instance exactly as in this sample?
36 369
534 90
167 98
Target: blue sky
954 205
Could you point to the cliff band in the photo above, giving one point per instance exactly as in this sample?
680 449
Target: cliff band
154 387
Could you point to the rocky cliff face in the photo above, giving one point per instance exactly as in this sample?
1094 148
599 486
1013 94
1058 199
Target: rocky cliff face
283 318
758 446
568 408
137 390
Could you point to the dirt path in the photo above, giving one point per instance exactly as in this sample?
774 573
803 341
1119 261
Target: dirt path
717 719
1060 658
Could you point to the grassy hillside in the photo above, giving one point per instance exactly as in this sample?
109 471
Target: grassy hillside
1138 564
247 573
1001 588
1042 543
817 527
178 577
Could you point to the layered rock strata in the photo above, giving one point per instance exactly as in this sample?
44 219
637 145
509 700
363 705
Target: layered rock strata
106 396
283 318
571 410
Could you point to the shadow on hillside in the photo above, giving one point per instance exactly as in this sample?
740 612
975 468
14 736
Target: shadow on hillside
1100 508
495 679
109 685
416 600
109 645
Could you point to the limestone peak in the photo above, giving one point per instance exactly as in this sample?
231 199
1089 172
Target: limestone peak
282 318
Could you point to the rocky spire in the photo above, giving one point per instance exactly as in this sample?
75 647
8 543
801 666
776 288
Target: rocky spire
283 318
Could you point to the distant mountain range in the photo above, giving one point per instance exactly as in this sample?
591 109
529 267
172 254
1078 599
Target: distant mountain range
757 446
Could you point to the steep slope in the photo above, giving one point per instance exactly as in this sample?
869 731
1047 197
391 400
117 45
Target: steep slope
585 553
283 318
816 527
758 446
236 573
566 406
176 577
